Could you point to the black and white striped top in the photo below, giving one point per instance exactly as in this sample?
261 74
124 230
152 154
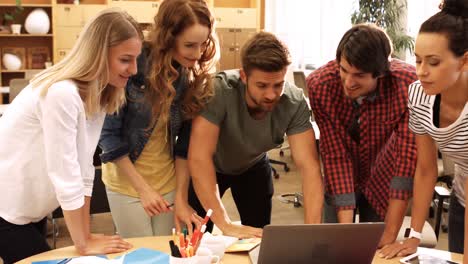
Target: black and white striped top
451 140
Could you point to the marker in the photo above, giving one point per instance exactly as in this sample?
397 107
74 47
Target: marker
172 247
182 245
176 251
207 217
181 241
190 251
182 252
202 232
64 261
185 231
197 236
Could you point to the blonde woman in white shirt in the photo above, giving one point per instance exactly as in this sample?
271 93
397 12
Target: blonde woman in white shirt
50 132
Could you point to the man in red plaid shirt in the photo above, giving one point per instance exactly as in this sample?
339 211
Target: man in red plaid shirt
360 103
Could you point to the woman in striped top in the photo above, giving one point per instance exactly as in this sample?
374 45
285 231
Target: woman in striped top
438 105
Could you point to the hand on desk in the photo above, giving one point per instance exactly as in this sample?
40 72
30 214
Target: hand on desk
399 249
387 238
102 244
241 231
184 214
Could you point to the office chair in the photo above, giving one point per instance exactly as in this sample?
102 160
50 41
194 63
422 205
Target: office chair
300 82
440 203
275 172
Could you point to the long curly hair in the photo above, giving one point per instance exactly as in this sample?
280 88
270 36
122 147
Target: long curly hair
173 17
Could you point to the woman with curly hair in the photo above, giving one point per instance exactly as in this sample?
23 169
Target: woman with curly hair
144 170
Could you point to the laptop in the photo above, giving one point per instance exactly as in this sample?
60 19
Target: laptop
321 243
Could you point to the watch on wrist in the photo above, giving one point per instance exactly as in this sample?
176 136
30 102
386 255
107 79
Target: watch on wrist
410 232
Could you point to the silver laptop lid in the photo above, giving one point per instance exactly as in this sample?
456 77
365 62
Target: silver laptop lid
321 243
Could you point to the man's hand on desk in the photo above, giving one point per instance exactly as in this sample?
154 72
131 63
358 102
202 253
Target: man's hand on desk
387 238
241 231
399 249
102 244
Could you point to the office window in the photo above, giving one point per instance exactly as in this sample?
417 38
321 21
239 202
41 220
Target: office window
312 29
418 12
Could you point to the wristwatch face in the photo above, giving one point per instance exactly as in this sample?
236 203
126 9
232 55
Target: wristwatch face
407 232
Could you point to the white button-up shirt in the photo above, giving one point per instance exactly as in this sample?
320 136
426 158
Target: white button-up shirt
46 153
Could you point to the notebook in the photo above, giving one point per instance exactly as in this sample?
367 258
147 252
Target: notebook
322 243
243 245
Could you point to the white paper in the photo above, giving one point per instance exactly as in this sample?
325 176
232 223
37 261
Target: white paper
96 260
228 240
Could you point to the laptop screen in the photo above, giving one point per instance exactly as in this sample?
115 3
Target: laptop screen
322 243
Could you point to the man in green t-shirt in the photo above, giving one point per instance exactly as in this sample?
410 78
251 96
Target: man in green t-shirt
253 108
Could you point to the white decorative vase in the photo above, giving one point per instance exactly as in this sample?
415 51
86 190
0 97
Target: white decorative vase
37 22
16 29
11 62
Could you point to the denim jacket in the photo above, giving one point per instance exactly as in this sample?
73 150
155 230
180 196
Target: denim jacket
128 131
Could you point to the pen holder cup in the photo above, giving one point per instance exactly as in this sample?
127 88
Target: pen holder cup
203 256
215 243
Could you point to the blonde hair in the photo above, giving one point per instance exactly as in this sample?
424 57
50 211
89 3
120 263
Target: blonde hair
172 19
87 62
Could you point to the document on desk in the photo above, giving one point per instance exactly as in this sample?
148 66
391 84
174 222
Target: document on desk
139 256
95 260
67 260
428 256
228 240
234 244
146 255
244 245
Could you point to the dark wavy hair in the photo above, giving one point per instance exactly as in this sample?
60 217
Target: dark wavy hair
366 47
173 17
452 21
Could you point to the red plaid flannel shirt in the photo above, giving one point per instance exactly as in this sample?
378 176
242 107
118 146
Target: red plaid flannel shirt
382 166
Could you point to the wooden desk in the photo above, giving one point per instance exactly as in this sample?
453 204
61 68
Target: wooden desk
162 244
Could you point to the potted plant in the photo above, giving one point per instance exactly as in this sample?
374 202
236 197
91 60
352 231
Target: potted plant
386 14
10 17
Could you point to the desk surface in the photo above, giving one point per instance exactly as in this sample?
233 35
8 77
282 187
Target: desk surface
161 244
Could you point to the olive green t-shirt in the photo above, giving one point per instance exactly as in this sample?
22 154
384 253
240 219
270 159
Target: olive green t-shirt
243 141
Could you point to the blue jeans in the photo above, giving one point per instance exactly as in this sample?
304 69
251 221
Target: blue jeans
456 232
366 212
